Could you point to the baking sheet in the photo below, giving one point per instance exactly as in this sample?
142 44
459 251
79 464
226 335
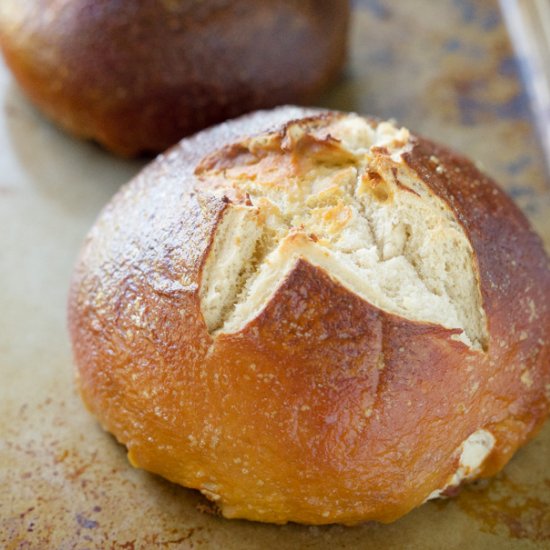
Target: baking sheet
445 69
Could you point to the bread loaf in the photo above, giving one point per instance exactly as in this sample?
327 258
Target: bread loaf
137 76
316 317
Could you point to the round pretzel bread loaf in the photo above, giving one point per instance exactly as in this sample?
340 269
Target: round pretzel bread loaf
316 317
137 76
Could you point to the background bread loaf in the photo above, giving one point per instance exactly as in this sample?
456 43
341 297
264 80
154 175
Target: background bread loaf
311 316
138 76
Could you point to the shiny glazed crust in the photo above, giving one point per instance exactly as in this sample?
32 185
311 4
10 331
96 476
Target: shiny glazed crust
138 76
323 408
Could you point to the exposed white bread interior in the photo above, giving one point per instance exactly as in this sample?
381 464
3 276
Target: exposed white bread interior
473 453
338 195
232 251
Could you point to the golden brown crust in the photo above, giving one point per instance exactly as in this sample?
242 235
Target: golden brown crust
323 408
138 76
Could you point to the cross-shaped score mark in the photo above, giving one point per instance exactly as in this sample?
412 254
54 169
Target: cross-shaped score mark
335 193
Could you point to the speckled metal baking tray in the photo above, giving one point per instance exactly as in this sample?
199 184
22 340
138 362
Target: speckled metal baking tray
446 69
